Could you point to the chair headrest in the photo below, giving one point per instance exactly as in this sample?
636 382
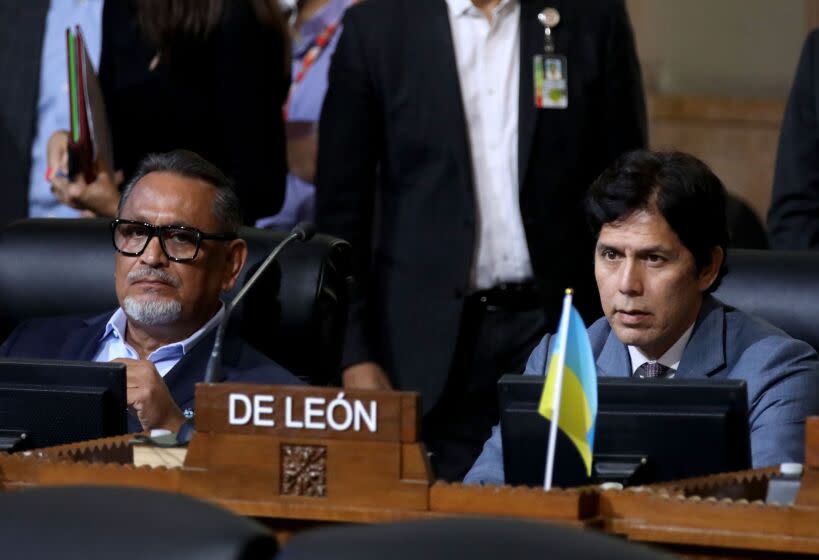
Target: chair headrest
474 538
778 286
98 522
295 315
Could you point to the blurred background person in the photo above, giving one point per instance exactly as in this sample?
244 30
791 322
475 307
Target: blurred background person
464 245
315 28
793 217
34 96
204 75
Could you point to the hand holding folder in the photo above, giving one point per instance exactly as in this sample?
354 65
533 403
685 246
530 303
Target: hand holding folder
89 144
80 160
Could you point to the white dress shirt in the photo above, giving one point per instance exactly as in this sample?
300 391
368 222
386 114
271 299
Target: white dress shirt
488 61
670 359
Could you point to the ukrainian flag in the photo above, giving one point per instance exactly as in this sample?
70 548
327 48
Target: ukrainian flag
578 401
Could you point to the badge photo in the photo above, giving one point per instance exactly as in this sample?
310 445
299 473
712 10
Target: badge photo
551 85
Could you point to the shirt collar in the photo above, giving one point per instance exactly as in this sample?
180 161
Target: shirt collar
116 325
461 7
671 358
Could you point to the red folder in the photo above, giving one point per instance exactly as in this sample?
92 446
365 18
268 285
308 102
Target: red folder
89 145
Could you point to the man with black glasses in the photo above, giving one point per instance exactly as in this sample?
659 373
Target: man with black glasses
177 250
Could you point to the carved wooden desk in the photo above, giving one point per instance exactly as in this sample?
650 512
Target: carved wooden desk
292 478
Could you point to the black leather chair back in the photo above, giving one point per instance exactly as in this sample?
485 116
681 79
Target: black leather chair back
476 539
295 315
103 522
778 286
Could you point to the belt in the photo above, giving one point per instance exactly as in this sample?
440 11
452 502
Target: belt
520 296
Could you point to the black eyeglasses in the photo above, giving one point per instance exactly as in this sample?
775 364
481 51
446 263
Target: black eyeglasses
179 243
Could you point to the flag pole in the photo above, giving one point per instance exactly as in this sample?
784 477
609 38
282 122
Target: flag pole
563 330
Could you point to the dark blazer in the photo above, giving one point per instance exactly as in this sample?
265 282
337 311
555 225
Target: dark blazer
394 108
793 217
781 373
22 25
78 338
220 97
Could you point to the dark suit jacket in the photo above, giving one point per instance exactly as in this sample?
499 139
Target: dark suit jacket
793 217
22 25
394 107
220 97
78 338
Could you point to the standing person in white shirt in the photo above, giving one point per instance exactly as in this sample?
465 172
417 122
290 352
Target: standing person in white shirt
465 243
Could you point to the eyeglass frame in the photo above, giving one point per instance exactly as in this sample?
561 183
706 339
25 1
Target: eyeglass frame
156 231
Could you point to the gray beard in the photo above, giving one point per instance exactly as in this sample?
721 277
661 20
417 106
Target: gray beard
152 312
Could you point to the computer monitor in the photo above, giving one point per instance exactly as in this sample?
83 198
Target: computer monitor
647 430
52 402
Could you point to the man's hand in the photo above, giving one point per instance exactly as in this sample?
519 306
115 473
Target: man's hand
57 153
366 375
99 198
149 397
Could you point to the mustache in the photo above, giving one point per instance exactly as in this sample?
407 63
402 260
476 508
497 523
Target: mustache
147 273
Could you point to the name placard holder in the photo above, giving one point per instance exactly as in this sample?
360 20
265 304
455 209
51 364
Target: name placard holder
308 445
809 489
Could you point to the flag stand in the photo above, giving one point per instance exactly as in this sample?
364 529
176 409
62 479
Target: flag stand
563 329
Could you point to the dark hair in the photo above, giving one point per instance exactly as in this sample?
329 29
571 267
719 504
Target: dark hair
169 25
226 206
684 190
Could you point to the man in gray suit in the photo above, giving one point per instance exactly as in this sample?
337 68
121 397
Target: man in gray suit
659 221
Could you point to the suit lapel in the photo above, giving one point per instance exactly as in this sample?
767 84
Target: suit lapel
190 370
83 343
439 71
531 43
613 360
704 354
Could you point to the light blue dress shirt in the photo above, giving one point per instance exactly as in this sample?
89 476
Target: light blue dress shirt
52 104
164 358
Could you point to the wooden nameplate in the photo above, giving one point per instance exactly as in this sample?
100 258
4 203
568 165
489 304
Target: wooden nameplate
308 446
273 453
809 491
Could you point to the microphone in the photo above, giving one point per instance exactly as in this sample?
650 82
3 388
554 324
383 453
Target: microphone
303 231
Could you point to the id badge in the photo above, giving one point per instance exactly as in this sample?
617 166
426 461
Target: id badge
551 86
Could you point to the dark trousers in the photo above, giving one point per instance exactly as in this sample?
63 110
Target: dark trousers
492 341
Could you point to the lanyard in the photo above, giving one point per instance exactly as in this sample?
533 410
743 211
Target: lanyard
307 62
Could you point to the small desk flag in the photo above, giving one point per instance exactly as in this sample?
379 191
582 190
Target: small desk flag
570 388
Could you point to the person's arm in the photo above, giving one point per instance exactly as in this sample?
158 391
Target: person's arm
350 143
623 99
302 149
488 468
783 384
793 217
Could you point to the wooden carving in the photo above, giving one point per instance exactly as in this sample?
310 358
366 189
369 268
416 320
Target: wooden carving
304 470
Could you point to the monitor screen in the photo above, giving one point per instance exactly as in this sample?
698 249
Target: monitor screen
647 430
52 402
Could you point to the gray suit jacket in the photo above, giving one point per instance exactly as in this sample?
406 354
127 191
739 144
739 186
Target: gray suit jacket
782 375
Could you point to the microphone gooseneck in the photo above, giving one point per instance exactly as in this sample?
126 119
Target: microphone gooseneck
304 231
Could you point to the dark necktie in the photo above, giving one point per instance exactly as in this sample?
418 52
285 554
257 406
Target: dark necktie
650 370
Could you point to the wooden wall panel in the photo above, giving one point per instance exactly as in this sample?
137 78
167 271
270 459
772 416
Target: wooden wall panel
736 137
